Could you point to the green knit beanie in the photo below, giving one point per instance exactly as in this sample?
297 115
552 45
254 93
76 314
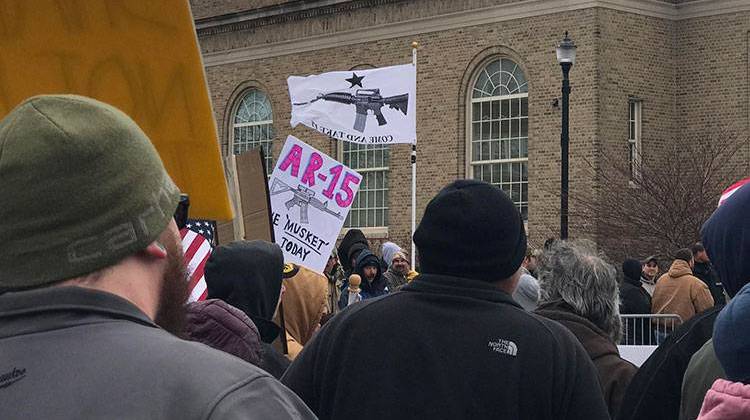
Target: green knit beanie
82 187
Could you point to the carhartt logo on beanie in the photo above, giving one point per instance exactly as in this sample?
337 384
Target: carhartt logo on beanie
82 188
471 229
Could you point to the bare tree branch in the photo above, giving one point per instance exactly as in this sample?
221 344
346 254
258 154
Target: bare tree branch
664 207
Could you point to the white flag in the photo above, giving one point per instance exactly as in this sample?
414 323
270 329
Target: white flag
362 106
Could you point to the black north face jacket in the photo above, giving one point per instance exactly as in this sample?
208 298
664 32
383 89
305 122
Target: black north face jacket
445 347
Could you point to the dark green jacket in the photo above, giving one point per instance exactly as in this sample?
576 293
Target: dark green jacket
75 353
703 370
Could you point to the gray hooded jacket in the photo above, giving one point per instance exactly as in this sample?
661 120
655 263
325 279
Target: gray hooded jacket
74 353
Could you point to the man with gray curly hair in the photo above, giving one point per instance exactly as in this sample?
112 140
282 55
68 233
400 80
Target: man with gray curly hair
579 290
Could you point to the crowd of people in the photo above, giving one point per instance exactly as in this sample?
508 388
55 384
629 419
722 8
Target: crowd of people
690 286
93 320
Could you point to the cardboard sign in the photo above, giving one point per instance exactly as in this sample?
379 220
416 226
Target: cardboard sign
311 194
140 56
253 189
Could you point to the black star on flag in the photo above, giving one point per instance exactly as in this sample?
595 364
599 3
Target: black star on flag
355 80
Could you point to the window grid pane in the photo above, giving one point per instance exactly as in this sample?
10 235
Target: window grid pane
500 77
500 130
253 126
370 207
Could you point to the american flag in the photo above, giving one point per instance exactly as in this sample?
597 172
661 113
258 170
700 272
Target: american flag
732 189
197 238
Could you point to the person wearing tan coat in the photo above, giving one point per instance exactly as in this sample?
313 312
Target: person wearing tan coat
679 292
304 305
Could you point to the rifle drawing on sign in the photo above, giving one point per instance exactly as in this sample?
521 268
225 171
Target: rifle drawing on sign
303 197
366 100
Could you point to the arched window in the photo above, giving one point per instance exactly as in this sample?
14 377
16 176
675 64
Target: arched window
253 125
500 128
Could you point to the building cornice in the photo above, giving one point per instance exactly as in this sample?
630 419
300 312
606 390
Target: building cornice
287 12
468 18
703 8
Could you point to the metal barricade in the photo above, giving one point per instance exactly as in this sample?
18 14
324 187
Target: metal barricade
643 329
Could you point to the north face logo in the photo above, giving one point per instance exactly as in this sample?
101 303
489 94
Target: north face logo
9 378
503 346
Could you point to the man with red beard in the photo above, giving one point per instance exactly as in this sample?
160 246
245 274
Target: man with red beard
92 280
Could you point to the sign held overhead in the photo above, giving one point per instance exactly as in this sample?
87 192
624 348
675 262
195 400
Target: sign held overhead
139 56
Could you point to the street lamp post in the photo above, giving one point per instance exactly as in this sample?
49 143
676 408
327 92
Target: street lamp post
566 56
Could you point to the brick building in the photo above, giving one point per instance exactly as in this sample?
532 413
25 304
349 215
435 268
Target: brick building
648 73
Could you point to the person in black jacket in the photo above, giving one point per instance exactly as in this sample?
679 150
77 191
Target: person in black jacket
705 271
248 276
634 300
452 343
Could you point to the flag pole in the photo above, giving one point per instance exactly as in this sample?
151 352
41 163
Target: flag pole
414 46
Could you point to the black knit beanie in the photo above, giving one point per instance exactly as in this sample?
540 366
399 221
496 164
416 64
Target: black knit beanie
471 229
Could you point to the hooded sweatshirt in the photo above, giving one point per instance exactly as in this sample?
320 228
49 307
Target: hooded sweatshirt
376 286
247 275
389 250
679 292
353 241
726 237
368 289
635 299
304 305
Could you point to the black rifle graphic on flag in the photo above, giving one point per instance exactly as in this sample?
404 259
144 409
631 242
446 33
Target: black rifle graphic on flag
365 100
303 197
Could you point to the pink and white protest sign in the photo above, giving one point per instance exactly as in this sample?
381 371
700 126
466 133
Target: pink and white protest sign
311 194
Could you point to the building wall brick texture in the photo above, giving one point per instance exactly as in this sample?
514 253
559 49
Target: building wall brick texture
690 74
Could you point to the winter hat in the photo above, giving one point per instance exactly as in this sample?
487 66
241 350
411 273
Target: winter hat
82 188
650 259
388 250
726 237
632 270
731 344
401 254
471 229
220 325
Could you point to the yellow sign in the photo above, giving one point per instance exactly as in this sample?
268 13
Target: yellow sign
141 56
